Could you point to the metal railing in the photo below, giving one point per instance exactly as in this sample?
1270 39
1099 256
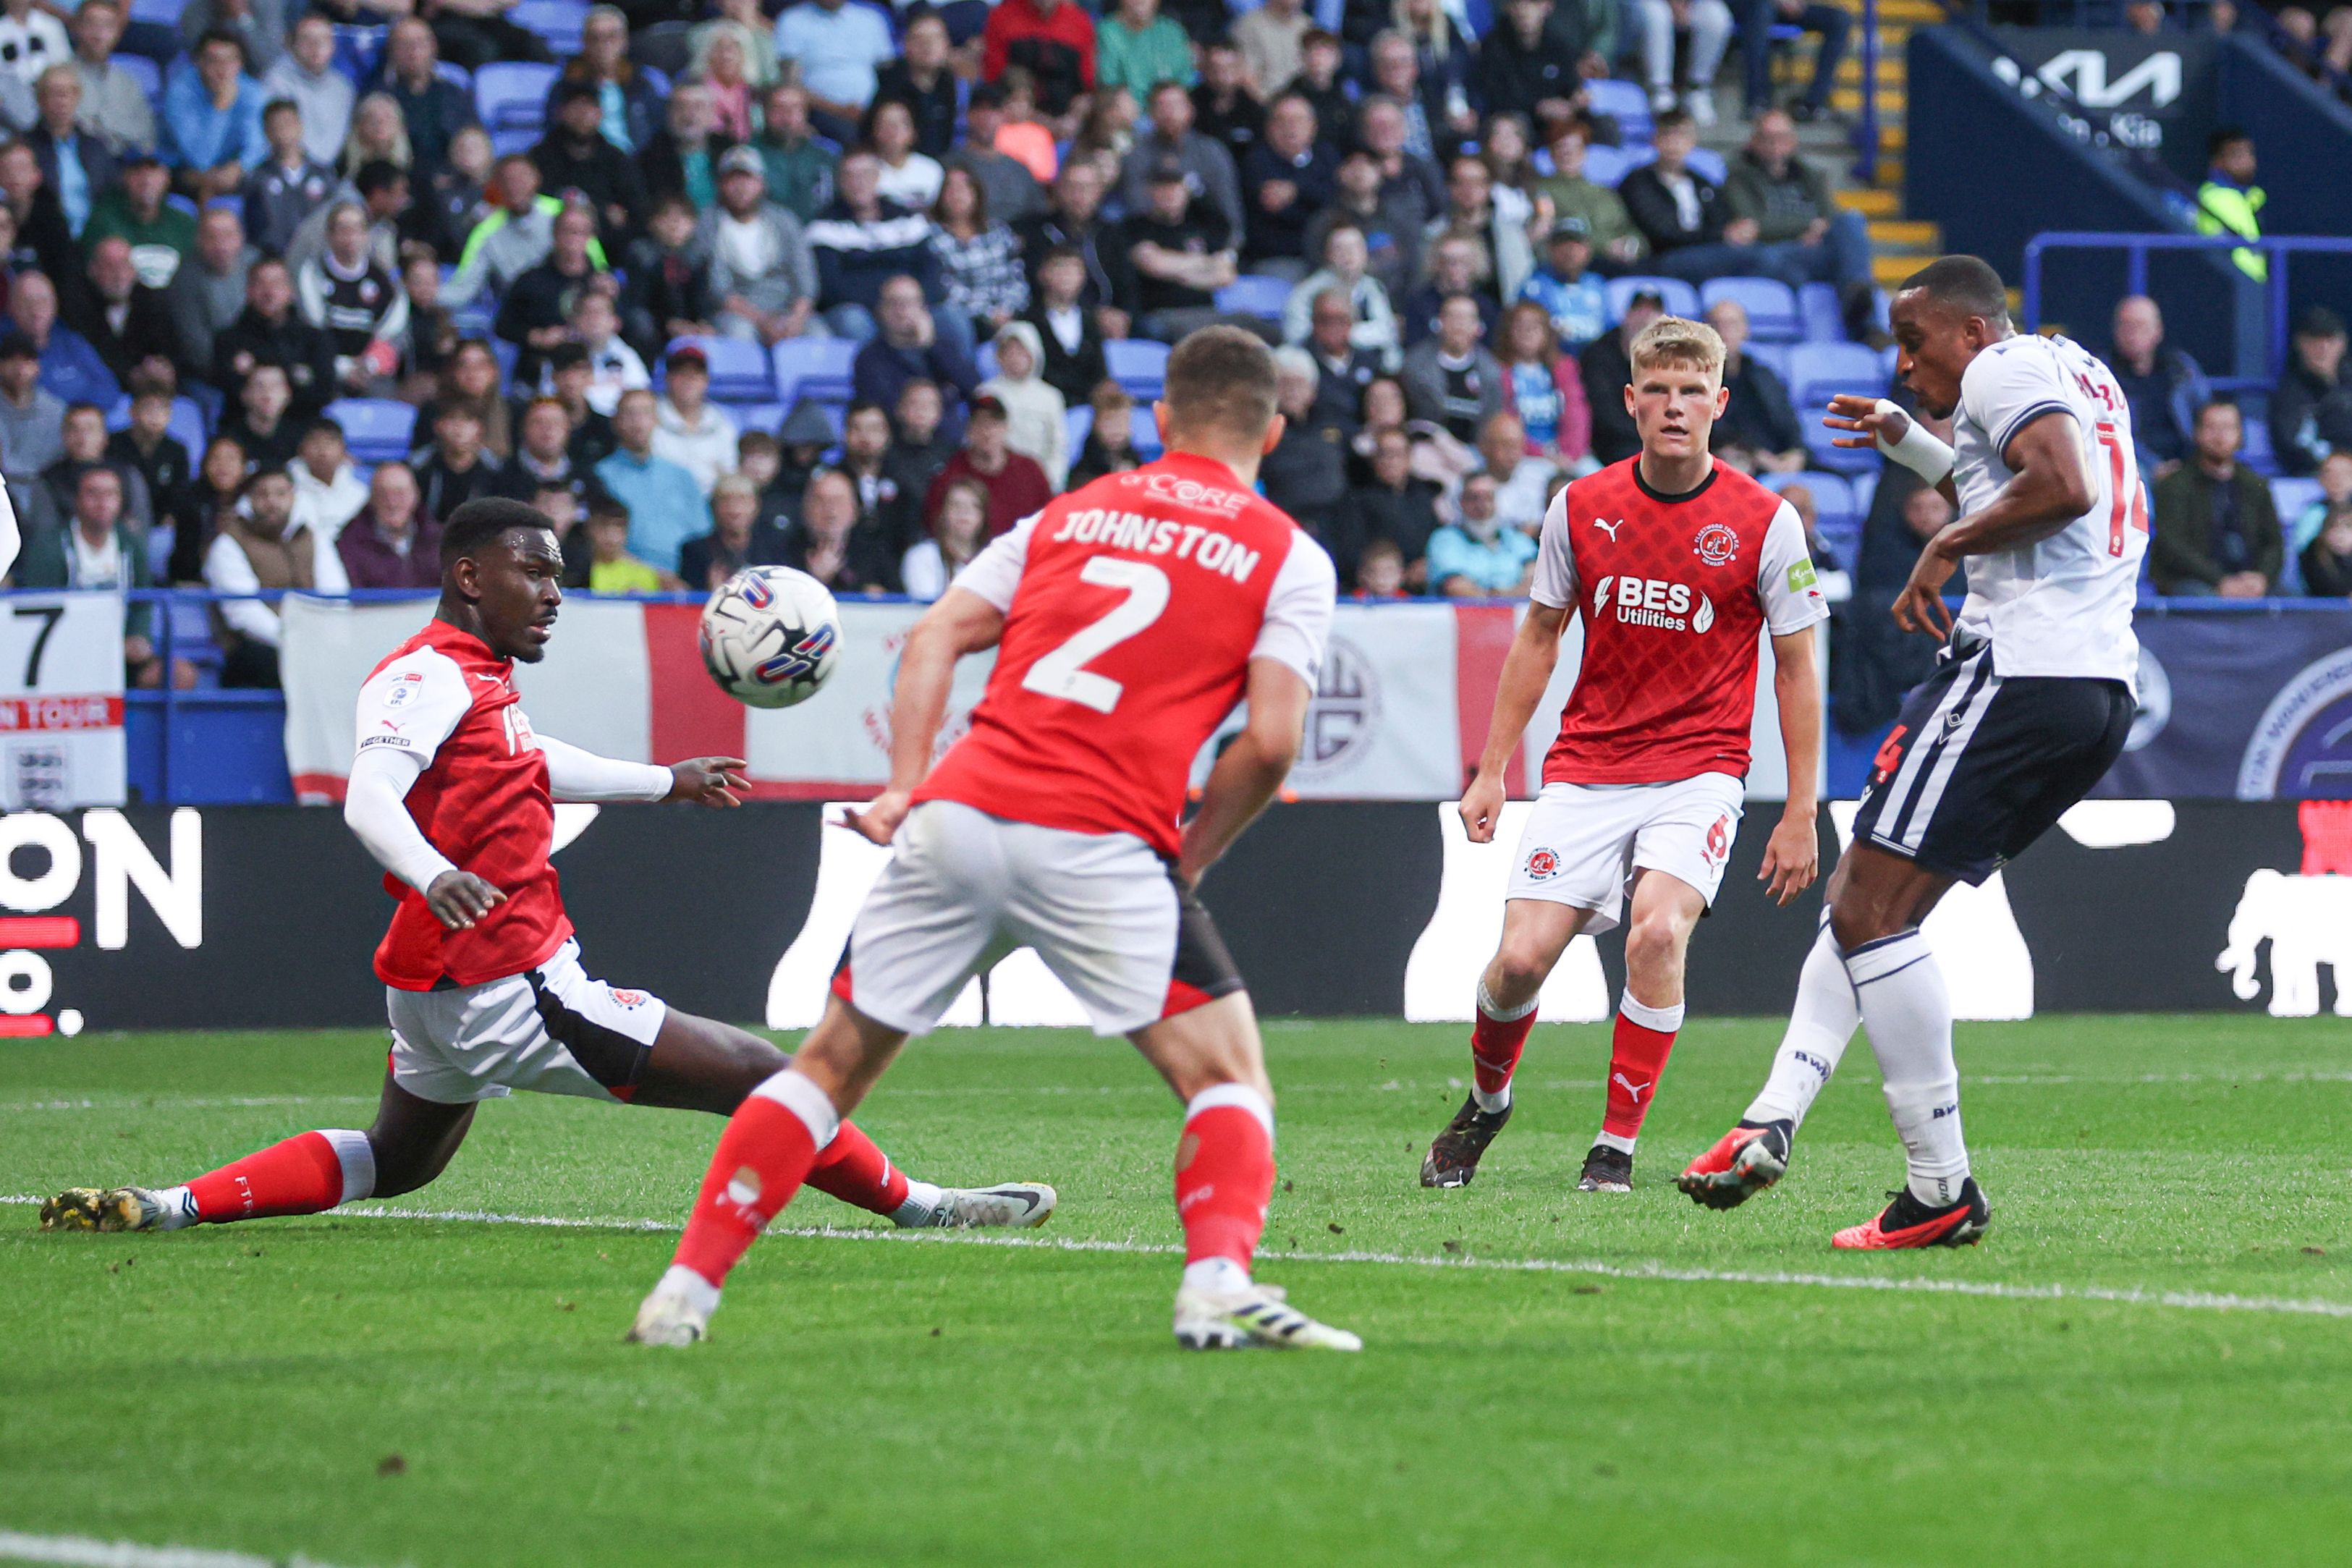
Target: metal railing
2277 249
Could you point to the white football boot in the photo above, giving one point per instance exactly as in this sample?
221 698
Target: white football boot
1255 1315
1013 1205
678 1311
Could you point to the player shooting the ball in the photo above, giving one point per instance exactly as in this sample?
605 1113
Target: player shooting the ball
453 792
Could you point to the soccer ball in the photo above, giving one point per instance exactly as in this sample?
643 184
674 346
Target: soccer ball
769 635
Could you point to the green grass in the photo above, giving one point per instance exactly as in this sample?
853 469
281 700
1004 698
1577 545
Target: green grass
941 1402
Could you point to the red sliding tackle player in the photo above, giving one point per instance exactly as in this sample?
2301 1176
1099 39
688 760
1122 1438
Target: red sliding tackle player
1676 563
453 793
1128 620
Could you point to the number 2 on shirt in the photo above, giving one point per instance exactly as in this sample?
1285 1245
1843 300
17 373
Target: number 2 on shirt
1063 673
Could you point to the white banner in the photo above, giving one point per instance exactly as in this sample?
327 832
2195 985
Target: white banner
842 735
61 659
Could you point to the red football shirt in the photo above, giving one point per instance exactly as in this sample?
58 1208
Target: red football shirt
1675 591
448 703
1132 610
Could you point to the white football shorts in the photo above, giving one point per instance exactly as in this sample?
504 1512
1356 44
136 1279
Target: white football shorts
1584 842
965 888
552 1030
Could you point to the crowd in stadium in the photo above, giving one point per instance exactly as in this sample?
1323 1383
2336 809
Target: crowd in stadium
853 290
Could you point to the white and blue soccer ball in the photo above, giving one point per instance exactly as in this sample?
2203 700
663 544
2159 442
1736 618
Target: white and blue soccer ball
770 636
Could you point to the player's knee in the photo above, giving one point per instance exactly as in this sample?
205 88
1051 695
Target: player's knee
1653 945
1519 971
1858 917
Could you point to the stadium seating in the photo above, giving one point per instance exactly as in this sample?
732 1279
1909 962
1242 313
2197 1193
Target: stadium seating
1771 305
1837 514
814 367
511 97
1819 371
1145 430
1773 357
505 354
1625 102
1254 294
144 71
2257 453
375 429
557 23
163 13
1138 364
741 371
1681 298
1608 165
761 417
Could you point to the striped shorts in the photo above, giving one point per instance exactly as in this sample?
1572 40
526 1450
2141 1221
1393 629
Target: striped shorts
1979 765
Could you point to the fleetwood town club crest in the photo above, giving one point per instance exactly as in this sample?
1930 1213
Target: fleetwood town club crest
1716 545
1543 865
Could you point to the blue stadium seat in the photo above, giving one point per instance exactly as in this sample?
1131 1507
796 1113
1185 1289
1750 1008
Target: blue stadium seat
1626 102
1832 493
657 80
163 13
1081 421
375 429
1819 370
1146 432
1708 162
557 23
985 359
456 75
2257 453
1609 165
1254 294
188 426
741 371
761 417
1681 298
1824 318
1138 364
506 354
815 368
1771 305
1773 357
144 71
511 97
1865 491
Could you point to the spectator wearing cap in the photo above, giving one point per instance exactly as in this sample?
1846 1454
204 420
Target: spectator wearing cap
2217 528
926 83
1758 431
763 277
537 311
271 330
1563 285
1178 254
289 185
432 108
32 417
162 236
860 242
1608 367
71 367
840 49
128 323
114 106
666 505
1017 486
1201 162
306 76
392 543
1372 325
799 166
76 166
1053 40
2311 412
574 155
909 345
681 159
687 429
1617 244
1449 378
206 292
212 119
1290 177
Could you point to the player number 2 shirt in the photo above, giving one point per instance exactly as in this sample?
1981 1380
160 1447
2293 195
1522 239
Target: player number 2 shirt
1132 608
1675 591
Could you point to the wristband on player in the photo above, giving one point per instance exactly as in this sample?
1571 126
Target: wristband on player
1919 450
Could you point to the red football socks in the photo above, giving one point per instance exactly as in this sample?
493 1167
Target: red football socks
853 1170
1496 1041
764 1156
1643 1039
305 1175
1224 1173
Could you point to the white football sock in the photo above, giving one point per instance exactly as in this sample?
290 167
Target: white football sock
922 1205
1218 1276
699 1293
1819 1028
1909 1016
179 1207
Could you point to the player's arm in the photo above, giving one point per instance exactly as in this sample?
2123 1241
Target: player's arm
1792 854
576 774
1527 671
406 712
1251 768
1878 424
961 623
2049 489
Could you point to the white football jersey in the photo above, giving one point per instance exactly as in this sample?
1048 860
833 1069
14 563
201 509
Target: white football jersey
2063 606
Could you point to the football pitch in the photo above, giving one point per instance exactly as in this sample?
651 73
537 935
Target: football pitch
2150 1360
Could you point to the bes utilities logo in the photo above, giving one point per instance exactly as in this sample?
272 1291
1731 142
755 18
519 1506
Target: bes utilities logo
1653 601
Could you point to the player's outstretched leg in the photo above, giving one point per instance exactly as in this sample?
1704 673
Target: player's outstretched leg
410 1144
770 1145
1657 939
1211 1056
1755 1153
1535 934
699 1064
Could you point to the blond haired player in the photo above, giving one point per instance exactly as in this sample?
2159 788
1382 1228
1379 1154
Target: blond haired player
1129 617
1678 564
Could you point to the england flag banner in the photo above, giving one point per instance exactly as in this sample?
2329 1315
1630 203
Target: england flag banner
62 701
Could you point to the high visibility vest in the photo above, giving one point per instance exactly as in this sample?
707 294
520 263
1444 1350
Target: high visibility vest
2224 208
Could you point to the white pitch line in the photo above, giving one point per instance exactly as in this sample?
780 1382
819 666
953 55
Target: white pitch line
87 1551
2135 1296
